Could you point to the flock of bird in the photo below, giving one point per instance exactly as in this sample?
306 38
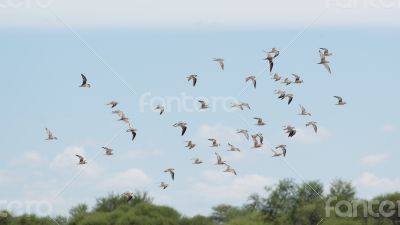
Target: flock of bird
257 139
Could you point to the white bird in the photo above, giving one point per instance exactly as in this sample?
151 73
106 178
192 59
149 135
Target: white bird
197 161
271 55
340 100
241 105
323 54
290 98
123 118
281 94
84 82
260 121
303 111
132 131
118 112
163 185
261 137
192 78
182 125
297 79
283 148
313 124
170 171
255 141
244 132
81 160
291 131
229 169
286 81
219 160
220 61
50 135
276 77
253 79
190 145
161 108
113 104
214 143
203 104
128 195
233 148
108 151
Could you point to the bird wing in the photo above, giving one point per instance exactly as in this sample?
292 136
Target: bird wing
84 79
183 130
326 65
194 81
80 157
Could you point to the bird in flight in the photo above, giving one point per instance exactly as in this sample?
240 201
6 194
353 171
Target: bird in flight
128 195
281 94
257 144
233 148
244 132
113 104
313 124
81 160
303 111
283 148
340 100
182 125
276 77
123 117
192 78
229 169
260 121
132 131
271 55
163 185
161 108
291 131
84 82
323 53
290 98
297 79
190 145
197 161
170 171
108 151
219 160
240 105
214 143
203 104
253 80
50 135
220 61
286 81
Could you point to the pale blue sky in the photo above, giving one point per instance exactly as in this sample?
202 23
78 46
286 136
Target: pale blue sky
41 69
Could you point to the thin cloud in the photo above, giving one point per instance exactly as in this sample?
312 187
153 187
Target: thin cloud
374 160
